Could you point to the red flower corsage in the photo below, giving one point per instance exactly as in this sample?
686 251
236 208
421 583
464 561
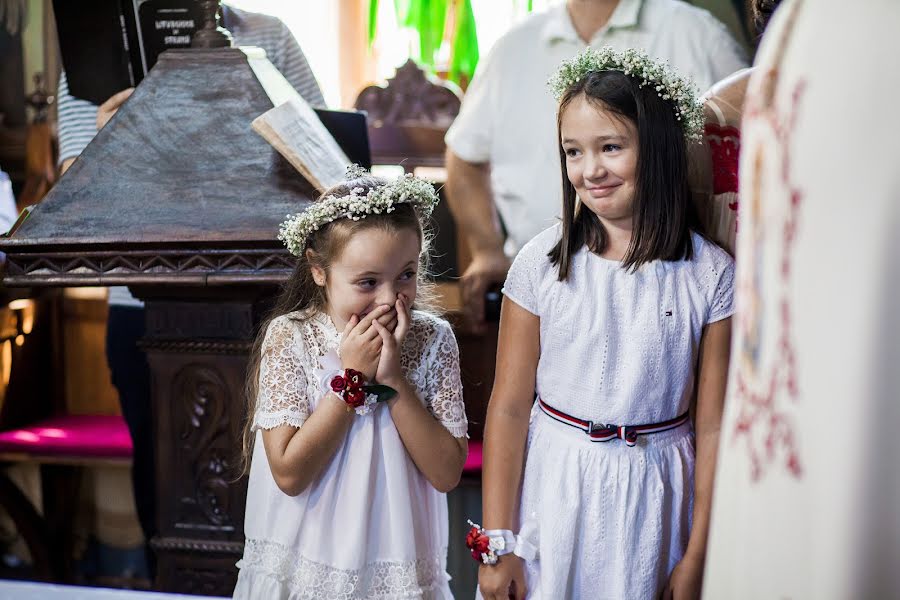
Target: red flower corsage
351 387
487 546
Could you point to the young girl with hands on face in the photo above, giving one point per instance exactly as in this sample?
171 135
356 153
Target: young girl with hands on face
617 319
357 428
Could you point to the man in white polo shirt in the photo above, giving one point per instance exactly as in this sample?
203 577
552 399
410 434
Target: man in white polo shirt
501 150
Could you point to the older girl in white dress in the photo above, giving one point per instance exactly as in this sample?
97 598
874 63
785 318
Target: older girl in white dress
618 319
357 415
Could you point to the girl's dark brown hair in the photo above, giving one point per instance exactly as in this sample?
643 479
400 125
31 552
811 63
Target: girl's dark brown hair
664 215
301 295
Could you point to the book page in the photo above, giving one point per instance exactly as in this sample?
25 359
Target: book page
296 133
293 128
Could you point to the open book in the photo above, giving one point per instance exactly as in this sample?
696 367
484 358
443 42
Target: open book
294 129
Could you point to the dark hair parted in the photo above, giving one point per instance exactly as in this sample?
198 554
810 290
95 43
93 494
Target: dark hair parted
302 295
663 212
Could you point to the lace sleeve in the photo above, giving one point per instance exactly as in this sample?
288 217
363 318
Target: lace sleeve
444 386
282 397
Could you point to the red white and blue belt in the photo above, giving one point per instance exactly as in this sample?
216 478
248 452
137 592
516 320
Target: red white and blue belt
605 432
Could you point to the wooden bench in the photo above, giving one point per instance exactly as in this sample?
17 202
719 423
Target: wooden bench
61 446
57 376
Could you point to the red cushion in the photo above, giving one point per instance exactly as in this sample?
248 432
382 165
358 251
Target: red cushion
473 461
71 435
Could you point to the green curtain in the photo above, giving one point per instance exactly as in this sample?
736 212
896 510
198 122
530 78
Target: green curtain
428 18
464 51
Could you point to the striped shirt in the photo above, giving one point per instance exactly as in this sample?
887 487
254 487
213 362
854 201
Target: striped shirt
78 118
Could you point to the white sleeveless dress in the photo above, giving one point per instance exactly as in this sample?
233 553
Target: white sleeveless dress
371 526
601 519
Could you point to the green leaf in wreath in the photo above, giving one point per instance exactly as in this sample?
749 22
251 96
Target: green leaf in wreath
382 392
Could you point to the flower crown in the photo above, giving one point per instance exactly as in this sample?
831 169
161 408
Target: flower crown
638 64
406 189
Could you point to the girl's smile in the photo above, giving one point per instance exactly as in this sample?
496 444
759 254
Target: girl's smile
601 150
602 191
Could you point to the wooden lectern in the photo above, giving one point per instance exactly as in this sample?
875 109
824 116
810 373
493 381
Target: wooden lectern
180 200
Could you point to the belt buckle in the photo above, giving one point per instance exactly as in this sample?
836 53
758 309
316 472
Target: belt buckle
597 427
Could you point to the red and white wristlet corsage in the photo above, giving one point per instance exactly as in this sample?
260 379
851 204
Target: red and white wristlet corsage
488 545
351 386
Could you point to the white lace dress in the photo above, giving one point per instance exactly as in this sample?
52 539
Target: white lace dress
371 526
604 520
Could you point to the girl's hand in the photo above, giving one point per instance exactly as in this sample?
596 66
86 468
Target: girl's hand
389 364
389 319
504 580
685 581
361 345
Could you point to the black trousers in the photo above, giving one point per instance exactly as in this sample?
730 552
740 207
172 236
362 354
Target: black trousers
131 376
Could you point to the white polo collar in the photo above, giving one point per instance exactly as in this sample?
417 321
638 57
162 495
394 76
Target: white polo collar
559 26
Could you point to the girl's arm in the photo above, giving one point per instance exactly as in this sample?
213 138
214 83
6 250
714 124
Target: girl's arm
433 449
715 347
505 432
506 427
297 455
437 454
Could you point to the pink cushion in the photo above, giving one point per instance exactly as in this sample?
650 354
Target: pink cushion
71 436
473 461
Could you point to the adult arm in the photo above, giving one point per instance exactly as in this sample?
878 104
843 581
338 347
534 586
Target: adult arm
471 203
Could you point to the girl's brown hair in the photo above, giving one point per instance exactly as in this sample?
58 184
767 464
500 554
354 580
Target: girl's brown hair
301 295
664 215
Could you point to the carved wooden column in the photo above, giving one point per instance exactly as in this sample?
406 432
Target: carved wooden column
198 353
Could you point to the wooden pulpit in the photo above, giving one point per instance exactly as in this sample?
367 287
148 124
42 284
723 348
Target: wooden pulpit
180 200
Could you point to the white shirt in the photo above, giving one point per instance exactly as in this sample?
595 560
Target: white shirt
508 116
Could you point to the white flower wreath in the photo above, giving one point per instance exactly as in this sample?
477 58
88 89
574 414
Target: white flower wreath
681 91
406 189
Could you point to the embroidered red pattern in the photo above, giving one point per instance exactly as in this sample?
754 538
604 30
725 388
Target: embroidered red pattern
764 422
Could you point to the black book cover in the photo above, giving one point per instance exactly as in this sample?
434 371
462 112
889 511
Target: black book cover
113 44
159 25
94 47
